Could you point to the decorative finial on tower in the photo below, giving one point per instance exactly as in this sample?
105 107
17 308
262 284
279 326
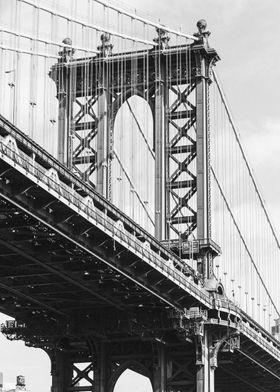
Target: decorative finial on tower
105 47
202 33
67 51
20 383
67 41
162 39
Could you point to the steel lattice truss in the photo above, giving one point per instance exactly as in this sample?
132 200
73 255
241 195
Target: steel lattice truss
95 100
93 105
84 133
181 150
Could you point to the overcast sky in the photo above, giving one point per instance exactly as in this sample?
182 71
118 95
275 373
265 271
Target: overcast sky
246 35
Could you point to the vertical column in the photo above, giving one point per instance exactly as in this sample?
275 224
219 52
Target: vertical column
64 87
205 375
102 137
202 145
203 181
61 372
61 142
100 375
159 154
204 57
160 135
103 123
159 376
72 83
202 176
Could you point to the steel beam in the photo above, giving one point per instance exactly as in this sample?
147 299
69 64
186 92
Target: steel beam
62 96
102 133
160 147
205 375
61 371
245 380
76 282
159 375
202 153
100 376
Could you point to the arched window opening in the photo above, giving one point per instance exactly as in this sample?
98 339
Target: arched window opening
133 166
132 381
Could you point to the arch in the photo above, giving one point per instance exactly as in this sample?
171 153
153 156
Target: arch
234 343
129 93
132 169
131 365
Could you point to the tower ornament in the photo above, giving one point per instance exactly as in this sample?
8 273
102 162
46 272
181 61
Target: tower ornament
106 47
21 382
66 54
162 39
202 34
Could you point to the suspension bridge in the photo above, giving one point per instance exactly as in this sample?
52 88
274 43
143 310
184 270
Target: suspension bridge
133 233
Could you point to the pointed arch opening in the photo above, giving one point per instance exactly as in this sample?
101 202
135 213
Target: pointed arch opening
133 166
129 380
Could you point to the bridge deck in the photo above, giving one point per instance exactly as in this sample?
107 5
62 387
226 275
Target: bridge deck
64 258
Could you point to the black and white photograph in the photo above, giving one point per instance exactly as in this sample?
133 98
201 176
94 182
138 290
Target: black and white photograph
139 196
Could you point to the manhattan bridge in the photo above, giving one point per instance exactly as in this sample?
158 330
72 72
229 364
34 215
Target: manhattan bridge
133 233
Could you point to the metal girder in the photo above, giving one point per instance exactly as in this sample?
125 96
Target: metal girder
61 274
245 380
254 358
132 273
32 299
82 188
181 153
98 253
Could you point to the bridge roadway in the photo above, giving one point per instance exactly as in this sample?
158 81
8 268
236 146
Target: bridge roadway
72 264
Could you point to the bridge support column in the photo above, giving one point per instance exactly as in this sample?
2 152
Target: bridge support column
100 375
203 207
205 374
160 164
102 143
159 374
103 134
61 145
160 132
72 372
66 81
205 58
61 371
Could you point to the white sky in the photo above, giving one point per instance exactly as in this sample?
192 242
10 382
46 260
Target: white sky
246 35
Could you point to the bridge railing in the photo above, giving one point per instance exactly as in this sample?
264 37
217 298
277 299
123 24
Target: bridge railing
26 144
66 194
70 197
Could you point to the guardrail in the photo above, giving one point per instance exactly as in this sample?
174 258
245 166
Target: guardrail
66 194
253 330
66 175
72 199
